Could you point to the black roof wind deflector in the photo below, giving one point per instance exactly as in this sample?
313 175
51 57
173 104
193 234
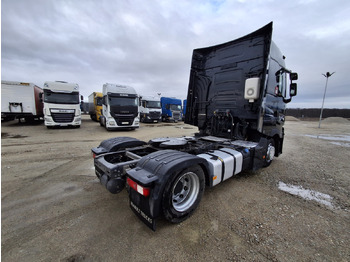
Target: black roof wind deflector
265 30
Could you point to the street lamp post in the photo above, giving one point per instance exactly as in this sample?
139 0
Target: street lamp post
327 75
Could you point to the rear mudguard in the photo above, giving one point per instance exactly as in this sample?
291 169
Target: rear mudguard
259 154
115 144
153 171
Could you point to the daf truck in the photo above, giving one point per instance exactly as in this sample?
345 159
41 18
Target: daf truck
171 109
95 106
20 100
150 109
237 96
61 104
120 107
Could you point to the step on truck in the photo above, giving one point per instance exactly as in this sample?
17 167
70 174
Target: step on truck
20 100
61 104
171 109
120 107
237 96
95 106
150 109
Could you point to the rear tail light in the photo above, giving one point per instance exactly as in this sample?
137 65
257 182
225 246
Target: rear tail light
93 155
142 190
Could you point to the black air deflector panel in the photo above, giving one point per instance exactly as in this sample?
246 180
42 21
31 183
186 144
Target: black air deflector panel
218 75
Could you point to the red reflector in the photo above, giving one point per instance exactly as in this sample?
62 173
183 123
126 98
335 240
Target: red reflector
93 155
142 190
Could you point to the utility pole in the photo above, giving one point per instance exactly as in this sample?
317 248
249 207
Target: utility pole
327 75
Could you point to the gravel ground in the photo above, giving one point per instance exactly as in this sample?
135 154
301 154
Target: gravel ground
54 208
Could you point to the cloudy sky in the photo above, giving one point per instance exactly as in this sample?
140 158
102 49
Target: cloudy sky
149 44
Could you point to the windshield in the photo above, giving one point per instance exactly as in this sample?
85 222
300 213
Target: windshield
175 107
122 101
153 104
99 101
61 98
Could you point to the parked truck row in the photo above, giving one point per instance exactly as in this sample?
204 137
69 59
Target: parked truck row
237 96
59 104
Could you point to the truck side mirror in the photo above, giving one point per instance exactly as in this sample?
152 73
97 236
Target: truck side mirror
81 98
293 89
293 76
41 97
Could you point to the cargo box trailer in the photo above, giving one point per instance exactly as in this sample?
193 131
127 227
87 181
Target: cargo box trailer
20 100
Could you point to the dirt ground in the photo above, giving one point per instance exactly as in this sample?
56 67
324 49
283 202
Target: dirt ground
53 208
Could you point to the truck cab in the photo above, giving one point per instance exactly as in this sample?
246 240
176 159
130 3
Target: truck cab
120 107
61 104
150 109
239 89
171 109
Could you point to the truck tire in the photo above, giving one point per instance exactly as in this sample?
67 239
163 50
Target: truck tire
182 194
270 152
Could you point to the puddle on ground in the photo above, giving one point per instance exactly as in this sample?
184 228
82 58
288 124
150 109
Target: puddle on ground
184 127
340 140
7 135
307 194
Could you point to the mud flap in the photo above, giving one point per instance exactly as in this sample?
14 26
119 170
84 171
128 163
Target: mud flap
140 206
260 154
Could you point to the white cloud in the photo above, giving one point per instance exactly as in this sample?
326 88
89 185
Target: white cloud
148 44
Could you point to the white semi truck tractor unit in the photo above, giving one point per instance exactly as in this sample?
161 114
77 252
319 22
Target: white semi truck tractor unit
150 109
61 104
120 107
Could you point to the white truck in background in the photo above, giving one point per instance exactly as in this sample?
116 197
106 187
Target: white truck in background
120 107
150 109
61 104
20 100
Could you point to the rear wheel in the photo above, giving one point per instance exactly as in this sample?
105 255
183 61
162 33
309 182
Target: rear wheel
183 193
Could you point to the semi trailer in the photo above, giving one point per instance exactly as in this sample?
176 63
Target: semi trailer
237 96
20 100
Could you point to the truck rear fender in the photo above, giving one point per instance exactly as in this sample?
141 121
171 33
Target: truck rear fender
153 171
116 143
